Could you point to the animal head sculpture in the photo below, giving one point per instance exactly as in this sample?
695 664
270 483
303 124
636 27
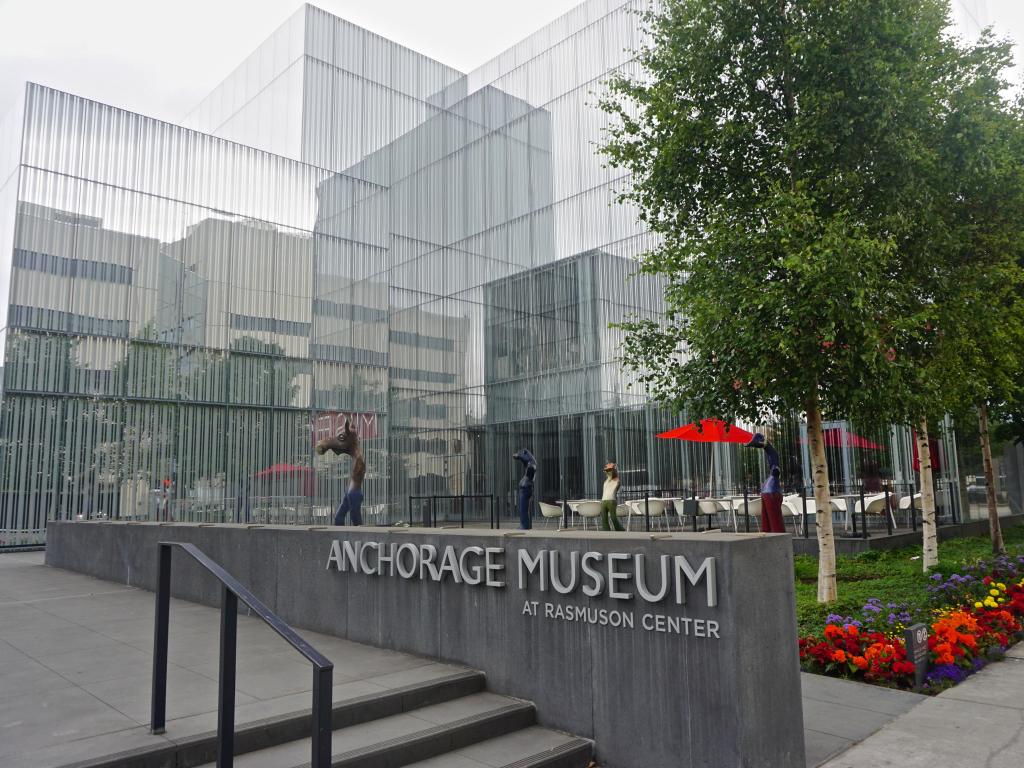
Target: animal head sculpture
346 441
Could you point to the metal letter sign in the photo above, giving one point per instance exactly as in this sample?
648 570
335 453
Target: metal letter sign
917 652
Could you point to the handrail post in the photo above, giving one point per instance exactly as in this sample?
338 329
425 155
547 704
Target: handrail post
226 687
322 716
746 508
913 506
647 510
158 709
863 513
888 518
803 494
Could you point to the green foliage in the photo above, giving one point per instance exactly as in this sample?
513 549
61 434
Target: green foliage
893 576
968 267
779 150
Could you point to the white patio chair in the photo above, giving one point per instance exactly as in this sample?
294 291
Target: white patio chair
656 508
753 509
679 505
874 505
550 512
588 510
709 508
793 505
905 504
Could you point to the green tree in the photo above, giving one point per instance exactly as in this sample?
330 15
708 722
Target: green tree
778 149
973 358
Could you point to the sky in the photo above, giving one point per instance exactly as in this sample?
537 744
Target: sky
160 58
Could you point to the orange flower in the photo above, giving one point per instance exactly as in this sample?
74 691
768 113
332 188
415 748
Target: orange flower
852 631
839 656
860 662
832 631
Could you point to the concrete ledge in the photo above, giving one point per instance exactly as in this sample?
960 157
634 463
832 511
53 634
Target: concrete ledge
882 542
650 696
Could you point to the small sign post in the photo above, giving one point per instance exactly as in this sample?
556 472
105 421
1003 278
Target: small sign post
916 637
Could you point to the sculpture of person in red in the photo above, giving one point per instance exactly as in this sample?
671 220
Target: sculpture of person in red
771 489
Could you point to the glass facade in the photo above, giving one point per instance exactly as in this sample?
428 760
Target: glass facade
342 230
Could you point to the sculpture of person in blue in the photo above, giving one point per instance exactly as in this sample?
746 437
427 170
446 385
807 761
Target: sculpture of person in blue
525 487
771 489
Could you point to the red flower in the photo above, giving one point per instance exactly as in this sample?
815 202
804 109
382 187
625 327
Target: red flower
832 632
903 668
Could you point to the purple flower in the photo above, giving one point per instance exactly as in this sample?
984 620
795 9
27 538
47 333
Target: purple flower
946 672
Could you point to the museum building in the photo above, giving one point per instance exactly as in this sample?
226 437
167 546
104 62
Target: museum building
343 230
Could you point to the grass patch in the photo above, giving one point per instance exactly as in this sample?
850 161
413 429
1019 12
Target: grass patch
891 576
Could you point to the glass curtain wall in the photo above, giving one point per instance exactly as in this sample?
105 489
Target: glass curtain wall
163 312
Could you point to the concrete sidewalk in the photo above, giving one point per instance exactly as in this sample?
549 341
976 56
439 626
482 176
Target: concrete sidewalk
75 666
977 724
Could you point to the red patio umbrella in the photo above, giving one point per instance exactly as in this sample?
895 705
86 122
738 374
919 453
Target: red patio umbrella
709 431
837 437
290 470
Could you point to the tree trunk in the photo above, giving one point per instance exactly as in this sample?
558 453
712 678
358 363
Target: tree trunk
931 539
822 503
995 530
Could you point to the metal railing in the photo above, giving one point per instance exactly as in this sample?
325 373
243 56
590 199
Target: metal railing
429 512
690 498
323 669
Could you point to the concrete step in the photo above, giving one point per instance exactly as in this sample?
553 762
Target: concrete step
532 747
196 749
402 739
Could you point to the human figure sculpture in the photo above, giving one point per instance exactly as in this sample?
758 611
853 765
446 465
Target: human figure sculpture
348 442
525 487
771 489
609 499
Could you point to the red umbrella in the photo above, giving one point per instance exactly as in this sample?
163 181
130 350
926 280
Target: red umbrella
277 471
709 431
837 437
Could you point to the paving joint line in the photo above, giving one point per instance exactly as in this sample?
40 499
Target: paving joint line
61 597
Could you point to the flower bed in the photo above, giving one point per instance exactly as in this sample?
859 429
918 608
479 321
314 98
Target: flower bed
973 616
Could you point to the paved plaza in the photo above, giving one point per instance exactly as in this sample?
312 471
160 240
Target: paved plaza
75 656
979 723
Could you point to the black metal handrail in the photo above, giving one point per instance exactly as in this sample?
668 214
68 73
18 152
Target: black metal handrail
431 516
323 669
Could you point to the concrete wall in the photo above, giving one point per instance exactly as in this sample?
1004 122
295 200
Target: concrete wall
648 698
880 541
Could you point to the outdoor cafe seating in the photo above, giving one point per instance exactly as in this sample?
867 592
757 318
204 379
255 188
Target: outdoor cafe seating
874 505
550 511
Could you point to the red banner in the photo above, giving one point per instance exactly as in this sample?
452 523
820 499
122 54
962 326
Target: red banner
330 424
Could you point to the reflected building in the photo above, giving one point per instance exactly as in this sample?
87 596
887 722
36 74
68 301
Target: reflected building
344 229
